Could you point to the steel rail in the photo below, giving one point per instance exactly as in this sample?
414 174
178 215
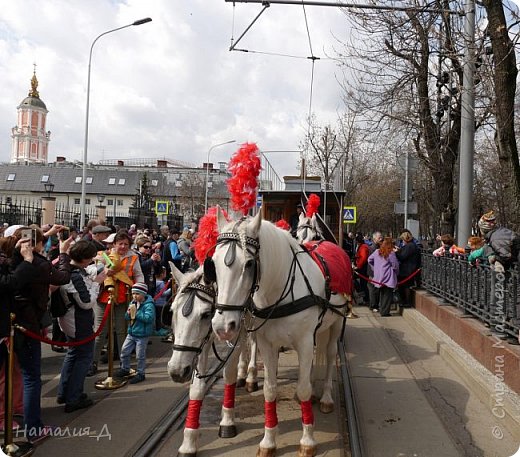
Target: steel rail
150 445
350 405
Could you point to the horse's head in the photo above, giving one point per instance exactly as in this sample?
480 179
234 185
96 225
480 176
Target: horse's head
307 229
192 310
236 265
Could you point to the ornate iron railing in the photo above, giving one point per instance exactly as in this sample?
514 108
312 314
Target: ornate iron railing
490 296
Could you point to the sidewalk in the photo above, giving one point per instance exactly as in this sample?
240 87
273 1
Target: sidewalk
409 401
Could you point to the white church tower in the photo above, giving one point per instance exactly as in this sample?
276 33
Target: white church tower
30 140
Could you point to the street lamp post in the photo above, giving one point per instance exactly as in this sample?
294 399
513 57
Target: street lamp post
85 146
207 171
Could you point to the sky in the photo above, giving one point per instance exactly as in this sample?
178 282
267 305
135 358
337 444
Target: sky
170 88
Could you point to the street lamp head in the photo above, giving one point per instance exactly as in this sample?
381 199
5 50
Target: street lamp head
49 187
142 21
100 198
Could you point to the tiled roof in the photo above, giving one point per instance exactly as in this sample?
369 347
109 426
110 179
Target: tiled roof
28 178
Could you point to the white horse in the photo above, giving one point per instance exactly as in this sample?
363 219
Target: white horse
193 308
257 262
307 229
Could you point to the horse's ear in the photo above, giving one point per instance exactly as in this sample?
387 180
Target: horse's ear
221 220
301 217
176 273
210 274
257 221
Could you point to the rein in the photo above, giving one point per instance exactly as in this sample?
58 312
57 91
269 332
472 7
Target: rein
276 310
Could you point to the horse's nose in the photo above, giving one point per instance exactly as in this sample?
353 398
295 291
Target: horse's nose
232 326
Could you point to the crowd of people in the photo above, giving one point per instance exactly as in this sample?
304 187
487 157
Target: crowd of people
387 270
56 267
57 277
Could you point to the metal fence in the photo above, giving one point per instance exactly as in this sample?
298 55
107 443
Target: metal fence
490 296
23 212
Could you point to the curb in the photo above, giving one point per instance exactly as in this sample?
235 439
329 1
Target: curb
502 401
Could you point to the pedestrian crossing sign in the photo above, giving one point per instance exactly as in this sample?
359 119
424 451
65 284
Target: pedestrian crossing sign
349 215
161 207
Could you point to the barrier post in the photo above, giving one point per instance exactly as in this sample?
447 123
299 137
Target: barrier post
19 449
110 383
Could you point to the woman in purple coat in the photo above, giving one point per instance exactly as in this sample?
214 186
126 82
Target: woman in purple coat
385 265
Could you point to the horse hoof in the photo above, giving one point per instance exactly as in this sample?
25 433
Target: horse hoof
326 408
263 452
227 431
251 386
241 383
186 454
306 451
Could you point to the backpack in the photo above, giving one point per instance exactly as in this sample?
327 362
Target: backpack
59 305
167 256
505 244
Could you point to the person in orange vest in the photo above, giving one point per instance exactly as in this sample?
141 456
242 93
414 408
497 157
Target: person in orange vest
125 272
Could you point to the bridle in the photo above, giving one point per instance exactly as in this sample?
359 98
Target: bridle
251 247
187 308
208 296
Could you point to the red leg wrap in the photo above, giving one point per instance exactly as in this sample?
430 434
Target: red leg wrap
192 419
229 396
307 414
271 419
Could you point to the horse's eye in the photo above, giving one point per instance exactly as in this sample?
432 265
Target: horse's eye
249 264
205 316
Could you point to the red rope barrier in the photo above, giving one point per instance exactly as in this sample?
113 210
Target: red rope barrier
43 339
381 284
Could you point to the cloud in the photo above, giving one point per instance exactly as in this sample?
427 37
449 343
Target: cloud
171 87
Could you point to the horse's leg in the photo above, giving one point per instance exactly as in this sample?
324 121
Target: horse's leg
190 442
305 350
326 401
242 366
252 371
267 447
227 427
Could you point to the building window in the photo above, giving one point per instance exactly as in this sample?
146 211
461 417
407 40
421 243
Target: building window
77 201
155 182
111 181
88 180
78 180
121 182
45 178
11 176
110 202
87 201
120 203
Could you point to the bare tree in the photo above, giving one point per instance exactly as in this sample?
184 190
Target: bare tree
404 73
504 79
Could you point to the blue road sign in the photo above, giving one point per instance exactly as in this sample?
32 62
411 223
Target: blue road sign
161 207
349 215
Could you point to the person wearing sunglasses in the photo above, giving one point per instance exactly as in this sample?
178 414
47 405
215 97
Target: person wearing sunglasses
149 260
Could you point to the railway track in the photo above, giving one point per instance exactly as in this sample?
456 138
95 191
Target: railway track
337 435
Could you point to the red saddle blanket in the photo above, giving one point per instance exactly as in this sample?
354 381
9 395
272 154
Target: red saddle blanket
338 265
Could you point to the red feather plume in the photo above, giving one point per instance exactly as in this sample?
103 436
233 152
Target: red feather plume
283 224
245 167
204 244
312 205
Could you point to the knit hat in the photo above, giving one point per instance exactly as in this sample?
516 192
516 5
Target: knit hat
487 222
140 288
